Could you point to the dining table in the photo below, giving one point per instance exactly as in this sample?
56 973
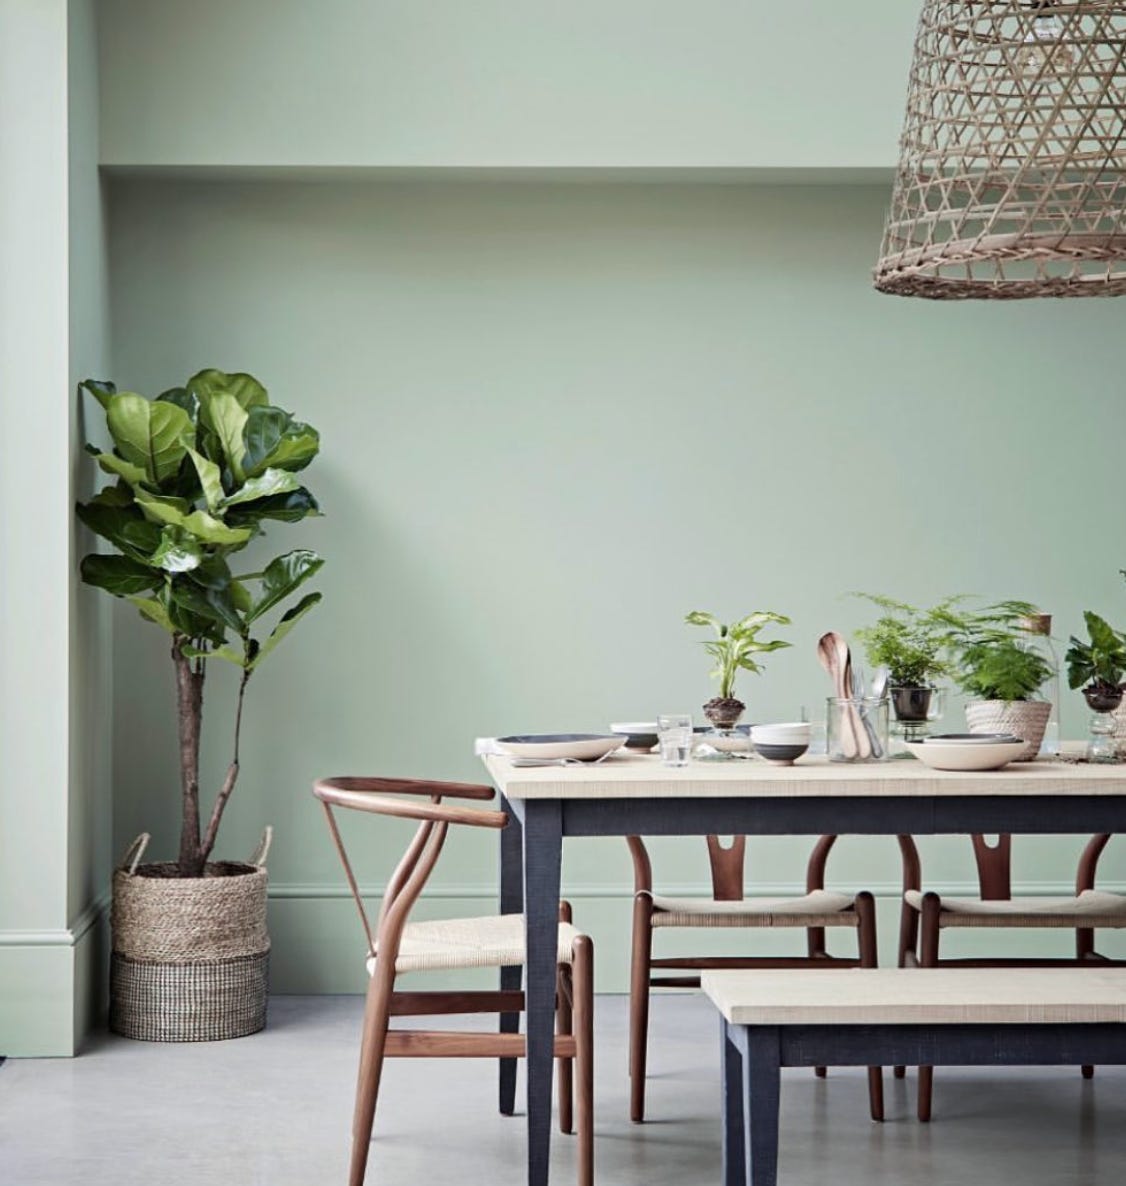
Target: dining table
639 795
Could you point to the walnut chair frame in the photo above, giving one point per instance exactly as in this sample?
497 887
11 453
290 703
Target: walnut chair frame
922 923
727 872
574 1042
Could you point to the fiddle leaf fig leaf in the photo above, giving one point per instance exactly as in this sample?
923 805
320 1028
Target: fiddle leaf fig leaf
153 609
215 604
110 463
123 526
173 511
245 388
268 484
182 398
178 551
228 418
282 576
275 439
100 389
210 480
288 620
286 508
119 575
154 436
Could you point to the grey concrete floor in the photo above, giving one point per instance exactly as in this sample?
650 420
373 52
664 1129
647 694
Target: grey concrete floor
274 1109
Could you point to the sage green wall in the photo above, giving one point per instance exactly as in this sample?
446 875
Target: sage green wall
619 83
55 801
555 418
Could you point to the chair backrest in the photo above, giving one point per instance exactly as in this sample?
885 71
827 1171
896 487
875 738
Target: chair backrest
380 796
994 865
728 865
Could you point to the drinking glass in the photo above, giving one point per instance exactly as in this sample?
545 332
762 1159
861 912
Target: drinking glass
674 734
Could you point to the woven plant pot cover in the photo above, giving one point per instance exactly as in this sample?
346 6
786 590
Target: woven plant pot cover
1026 719
1012 168
191 955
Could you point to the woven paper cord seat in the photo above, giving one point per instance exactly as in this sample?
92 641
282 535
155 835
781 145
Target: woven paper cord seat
818 909
1092 908
493 942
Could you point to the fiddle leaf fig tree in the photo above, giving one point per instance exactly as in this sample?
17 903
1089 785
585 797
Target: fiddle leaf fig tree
195 474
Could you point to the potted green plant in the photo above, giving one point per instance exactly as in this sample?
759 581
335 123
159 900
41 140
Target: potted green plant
1098 666
910 642
1003 672
733 650
196 473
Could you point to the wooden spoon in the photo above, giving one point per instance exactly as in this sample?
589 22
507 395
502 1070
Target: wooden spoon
832 652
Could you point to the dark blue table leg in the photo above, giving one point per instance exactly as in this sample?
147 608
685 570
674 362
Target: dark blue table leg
543 845
761 1048
731 1063
511 881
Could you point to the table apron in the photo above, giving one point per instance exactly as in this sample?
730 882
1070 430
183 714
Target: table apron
1023 1044
855 815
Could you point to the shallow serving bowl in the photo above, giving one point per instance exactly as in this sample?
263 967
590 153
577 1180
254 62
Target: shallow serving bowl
957 754
585 747
639 735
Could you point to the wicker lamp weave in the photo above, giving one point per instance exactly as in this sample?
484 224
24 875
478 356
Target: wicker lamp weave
1012 172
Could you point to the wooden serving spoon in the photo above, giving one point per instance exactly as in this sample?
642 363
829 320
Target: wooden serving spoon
833 654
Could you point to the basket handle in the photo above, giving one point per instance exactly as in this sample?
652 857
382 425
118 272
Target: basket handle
136 850
258 856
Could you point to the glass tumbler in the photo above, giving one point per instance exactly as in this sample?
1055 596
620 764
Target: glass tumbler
674 735
857 729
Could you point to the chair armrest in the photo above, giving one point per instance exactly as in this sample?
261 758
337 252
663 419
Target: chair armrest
409 786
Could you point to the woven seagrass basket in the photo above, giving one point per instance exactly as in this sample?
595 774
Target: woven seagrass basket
1026 719
191 955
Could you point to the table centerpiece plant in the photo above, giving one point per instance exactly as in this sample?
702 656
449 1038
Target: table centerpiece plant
1000 668
733 650
196 474
912 644
1098 666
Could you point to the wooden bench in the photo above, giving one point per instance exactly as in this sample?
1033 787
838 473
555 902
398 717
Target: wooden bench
933 1017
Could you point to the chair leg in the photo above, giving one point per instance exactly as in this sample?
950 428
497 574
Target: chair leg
582 985
1088 1072
928 958
563 1026
374 1041
639 1003
869 958
908 953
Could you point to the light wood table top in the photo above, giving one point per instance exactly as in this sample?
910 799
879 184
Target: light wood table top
644 777
896 996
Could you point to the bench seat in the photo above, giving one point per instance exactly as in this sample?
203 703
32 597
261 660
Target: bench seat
859 1016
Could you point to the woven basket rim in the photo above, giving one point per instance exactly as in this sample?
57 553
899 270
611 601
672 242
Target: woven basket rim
216 871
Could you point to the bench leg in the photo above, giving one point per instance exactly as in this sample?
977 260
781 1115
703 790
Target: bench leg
731 1062
760 1080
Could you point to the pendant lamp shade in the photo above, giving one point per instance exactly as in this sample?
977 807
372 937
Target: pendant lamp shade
1012 171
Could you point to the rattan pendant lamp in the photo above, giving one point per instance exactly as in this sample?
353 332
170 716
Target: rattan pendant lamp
1012 171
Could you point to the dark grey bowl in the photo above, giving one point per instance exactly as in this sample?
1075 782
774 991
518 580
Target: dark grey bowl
639 741
779 755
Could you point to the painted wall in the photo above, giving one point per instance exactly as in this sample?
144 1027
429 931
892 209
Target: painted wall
557 417
494 83
55 802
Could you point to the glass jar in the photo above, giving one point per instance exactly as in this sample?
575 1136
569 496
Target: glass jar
1036 636
857 730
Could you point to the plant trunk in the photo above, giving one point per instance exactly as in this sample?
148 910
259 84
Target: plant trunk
189 703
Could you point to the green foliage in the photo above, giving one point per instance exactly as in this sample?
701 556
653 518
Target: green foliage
197 471
736 643
910 642
995 660
1099 663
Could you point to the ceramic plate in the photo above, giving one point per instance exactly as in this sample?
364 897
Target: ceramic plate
583 746
971 738
958 755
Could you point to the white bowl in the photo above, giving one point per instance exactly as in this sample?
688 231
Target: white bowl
958 755
583 746
792 733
